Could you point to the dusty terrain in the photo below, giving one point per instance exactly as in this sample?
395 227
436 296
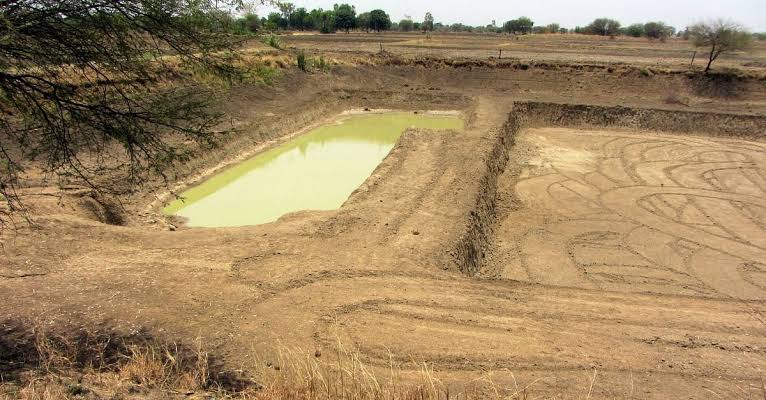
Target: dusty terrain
543 245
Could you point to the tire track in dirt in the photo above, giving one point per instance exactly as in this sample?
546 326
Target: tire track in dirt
661 188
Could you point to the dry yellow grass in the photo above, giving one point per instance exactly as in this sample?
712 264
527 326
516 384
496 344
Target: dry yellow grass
65 369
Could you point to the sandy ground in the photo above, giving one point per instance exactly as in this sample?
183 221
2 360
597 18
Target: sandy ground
636 257
638 212
676 53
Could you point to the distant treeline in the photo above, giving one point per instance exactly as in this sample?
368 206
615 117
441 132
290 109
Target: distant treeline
344 18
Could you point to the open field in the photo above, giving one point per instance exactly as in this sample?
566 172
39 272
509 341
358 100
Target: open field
581 49
583 237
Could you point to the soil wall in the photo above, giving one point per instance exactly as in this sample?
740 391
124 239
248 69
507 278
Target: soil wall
472 247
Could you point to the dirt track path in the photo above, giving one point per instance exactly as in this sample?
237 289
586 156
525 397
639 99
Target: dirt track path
377 275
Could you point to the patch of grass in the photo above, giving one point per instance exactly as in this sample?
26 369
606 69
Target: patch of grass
263 73
646 72
38 364
273 41
321 64
302 61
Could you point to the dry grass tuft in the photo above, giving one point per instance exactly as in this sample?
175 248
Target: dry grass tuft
675 95
37 364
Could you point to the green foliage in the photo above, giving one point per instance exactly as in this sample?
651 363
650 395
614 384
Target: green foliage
264 74
363 21
321 64
275 21
248 24
302 61
635 30
325 21
428 23
553 28
658 30
760 35
521 26
345 17
273 41
379 21
406 25
54 110
299 19
603 27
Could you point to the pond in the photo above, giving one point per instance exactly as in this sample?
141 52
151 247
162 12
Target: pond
315 171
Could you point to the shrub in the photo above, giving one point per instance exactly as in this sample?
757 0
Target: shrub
658 30
603 27
720 36
273 41
302 61
321 64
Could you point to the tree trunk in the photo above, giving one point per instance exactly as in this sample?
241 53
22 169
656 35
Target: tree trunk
711 58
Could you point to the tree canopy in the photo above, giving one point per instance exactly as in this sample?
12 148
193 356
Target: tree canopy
379 20
345 17
521 25
720 36
428 23
79 76
604 27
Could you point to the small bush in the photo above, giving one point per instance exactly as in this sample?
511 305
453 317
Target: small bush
262 73
302 61
645 72
321 64
273 41
674 95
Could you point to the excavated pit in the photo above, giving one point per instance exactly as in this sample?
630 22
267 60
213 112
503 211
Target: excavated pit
624 199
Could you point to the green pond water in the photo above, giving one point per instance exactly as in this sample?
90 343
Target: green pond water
315 171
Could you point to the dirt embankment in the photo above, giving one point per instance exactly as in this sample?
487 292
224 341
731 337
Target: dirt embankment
471 249
536 114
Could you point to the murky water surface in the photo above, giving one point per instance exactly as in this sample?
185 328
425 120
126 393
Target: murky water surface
315 171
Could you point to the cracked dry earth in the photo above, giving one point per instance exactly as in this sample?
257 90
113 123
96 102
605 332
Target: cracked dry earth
635 254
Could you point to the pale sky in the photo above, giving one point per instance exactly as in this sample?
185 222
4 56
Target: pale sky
569 13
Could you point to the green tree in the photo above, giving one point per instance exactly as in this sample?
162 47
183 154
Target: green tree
248 23
406 25
428 22
521 25
720 36
275 21
363 21
78 77
658 30
379 21
345 17
553 28
604 27
634 30
326 21
298 19
286 9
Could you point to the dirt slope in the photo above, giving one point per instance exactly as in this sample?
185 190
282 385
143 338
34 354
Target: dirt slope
387 272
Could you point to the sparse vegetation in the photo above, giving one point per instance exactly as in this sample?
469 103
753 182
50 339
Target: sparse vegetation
321 64
38 364
273 41
658 30
301 61
720 37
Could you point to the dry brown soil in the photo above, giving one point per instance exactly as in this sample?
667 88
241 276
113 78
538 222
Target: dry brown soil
633 255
